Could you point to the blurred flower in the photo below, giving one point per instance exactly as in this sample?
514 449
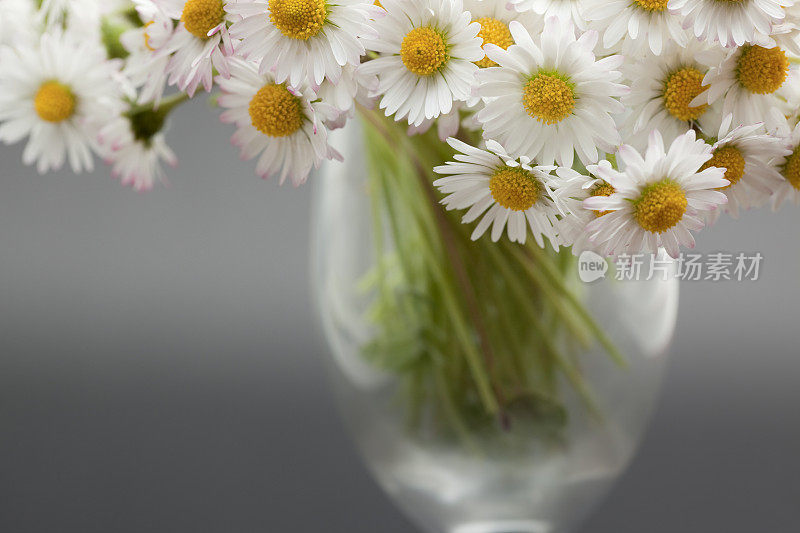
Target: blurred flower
56 94
789 167
81 16
145 69
135 146
17 23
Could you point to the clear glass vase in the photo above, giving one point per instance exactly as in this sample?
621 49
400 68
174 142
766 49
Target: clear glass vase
561 418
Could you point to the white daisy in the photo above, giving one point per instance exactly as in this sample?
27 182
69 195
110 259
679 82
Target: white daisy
282 125
638 23
786 35
428 49
780 116
494 16
574 10
508 193
353 87
789 167
550 97
56 94
750 81
747 154
300 40
657 199
572 229
135 145
143 67
17 22
662 91
732 23
200 43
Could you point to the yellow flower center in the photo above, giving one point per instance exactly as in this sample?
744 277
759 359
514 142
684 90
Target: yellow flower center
493 31
201 16
54 102
681 87
515 188
604 189
424 51
276 112
731 159
549 97
652 5
762 70
661 206
791 170
298 19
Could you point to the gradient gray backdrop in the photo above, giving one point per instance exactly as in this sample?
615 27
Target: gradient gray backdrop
161 369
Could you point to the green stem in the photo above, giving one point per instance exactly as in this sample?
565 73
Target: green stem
479 331
557 280
450 300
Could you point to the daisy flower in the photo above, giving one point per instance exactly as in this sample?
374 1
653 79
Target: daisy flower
572 228
135 146
299 40
732 23
550 97
199 44
512 195
573 10
786 35
746 153
789 167
750 81
56 94
658 199
353 87
639 23
428 49
145 69
282 125
494 16
663 89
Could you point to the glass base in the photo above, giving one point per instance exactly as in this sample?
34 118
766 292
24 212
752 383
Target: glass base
509 526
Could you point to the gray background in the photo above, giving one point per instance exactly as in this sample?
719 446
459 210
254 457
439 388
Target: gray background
161 367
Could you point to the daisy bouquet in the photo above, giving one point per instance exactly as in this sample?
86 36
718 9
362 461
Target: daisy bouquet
503 137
